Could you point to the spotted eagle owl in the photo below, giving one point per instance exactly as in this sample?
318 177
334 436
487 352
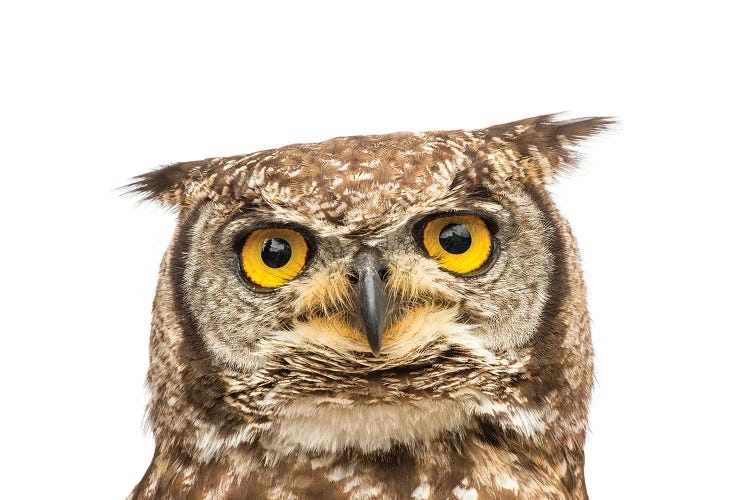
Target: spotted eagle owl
386 316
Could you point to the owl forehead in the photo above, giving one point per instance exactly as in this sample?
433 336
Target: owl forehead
356 183
350 182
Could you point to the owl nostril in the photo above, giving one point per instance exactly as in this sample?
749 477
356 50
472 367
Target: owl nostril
368 261
384 274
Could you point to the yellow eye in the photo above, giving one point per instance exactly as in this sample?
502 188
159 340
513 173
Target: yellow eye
273 256
460 243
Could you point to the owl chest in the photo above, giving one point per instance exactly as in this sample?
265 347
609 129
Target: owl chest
387 476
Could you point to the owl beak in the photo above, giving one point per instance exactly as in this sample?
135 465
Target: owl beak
369 271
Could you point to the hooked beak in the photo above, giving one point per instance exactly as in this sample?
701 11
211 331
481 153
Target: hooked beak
369 270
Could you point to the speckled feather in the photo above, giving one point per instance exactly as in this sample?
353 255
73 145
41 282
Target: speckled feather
482 386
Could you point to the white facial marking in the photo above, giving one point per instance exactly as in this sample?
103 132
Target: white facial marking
376 427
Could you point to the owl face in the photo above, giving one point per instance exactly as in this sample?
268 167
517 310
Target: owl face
484 262
369 291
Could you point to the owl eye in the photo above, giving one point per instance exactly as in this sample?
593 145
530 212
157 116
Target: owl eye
271 257
460 243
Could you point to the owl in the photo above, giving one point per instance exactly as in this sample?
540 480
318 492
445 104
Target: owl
387 316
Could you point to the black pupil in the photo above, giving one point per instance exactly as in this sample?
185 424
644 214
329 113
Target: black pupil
276 252
455 238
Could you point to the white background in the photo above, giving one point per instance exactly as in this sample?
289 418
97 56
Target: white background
94 93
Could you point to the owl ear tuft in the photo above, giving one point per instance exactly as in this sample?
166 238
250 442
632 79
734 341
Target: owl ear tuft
170 185
539 148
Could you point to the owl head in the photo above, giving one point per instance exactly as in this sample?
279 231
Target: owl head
369 292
